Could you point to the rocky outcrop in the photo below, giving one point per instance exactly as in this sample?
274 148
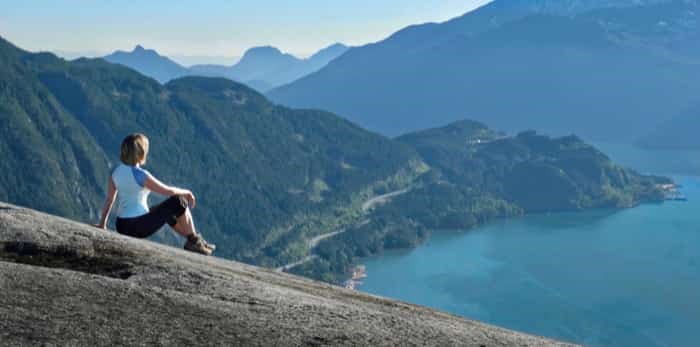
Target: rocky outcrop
65 283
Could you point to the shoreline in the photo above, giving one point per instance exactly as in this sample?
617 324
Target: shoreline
359 273
672 192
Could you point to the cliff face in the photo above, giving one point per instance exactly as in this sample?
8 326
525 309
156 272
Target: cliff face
67 283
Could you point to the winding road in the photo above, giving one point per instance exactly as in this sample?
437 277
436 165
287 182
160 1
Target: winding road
366 207
381 199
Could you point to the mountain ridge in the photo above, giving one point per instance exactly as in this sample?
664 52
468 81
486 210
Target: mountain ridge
271 66
262 67
589 80
140 59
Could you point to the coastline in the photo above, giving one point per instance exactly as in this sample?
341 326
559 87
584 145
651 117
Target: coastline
628 240
359 273
672 192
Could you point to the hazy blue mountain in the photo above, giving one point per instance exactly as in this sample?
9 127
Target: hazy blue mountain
262 68
149 63
681 132
259 85
265 63
601 69
325 55
569 7
267 67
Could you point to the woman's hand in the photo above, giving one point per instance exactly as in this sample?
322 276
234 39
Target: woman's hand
100 226
190 198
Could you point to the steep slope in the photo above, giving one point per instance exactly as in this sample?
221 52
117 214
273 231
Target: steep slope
149 63
267 177
65 283
519 64
487 17
51 162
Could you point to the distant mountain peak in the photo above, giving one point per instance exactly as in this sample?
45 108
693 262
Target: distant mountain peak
140 50
336 45
262 51
148 62
329 53
483 64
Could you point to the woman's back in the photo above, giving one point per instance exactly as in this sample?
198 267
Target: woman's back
132 195
134 217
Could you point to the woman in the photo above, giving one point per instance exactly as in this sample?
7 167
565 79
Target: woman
134 217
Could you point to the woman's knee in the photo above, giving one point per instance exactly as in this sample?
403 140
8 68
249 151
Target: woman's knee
182 200
177 205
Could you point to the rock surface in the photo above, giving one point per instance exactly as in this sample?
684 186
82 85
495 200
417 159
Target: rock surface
65 283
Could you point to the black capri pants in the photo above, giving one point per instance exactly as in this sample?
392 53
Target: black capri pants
144 226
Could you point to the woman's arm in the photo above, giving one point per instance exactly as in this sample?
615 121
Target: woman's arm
109 202
153 184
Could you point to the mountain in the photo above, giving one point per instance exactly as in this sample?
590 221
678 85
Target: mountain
679 133
261 68
268 67
265 63
602 69
570 7
149 63
299 190
325 55
267 177
567 173
66 283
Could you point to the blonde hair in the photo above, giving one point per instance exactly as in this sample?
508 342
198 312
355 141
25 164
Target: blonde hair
134 149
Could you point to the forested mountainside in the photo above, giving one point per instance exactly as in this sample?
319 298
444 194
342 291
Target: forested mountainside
478 175
273 183
606 70
260 171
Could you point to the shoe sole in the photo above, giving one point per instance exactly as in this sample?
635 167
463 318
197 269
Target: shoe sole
199 251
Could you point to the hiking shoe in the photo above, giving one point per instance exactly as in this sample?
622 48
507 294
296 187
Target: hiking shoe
209 245
206 243
198 245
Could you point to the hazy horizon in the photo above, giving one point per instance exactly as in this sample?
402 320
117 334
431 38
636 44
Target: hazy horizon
214 32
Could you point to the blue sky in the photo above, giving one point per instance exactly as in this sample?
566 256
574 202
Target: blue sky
215 28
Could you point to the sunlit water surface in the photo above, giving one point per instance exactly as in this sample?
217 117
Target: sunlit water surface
600 278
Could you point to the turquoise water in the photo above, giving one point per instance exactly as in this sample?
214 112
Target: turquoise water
600 278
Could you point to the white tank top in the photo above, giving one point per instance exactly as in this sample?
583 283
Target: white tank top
133 196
